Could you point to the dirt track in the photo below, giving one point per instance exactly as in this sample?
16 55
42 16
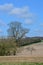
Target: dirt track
21 59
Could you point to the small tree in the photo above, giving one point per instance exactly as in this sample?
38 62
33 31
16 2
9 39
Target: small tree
31 49
17 31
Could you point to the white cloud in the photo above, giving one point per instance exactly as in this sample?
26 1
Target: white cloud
28 21
2 23
21 12
1 31
38 31
6 7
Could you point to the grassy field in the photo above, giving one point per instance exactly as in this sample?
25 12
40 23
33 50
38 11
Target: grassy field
21 63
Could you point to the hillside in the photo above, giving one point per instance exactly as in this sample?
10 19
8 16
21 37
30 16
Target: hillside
31 50
25 46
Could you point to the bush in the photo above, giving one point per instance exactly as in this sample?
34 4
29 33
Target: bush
2 50
14 52
6 46
7 53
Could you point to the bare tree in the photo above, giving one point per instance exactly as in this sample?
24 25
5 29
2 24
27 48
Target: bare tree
17 31
31 49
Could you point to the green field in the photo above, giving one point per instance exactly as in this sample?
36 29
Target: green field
21 63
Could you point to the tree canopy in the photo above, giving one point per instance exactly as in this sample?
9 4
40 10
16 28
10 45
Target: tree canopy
17 30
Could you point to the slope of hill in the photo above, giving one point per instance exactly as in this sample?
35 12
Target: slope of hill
34 50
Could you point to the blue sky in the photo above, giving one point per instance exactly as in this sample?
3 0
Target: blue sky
29 12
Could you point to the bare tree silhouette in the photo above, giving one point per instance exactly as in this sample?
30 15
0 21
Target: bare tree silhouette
31 49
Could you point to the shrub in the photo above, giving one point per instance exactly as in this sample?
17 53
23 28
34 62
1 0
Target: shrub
14 52
6 46
2 50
